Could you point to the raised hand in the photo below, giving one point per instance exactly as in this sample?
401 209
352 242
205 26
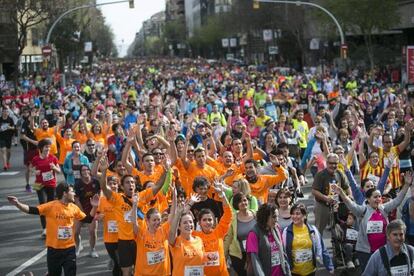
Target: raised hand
13 200
274 160
103 163
95 200
408 178
194 198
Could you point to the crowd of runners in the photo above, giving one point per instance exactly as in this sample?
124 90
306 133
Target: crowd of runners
197 168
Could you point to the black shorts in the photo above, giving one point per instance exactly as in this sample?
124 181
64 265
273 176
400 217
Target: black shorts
58 259
5 142
28 156
88 219
127 250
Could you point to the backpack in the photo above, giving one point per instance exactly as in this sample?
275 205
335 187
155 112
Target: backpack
386 262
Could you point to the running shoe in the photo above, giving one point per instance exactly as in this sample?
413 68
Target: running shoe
43 235
8 165
93 253
79 249
350 265
28 188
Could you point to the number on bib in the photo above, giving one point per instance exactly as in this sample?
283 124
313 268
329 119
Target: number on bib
375 227
351 234
155 257
303 255
275 258
112 226
401 270
64 232
193 271
47 176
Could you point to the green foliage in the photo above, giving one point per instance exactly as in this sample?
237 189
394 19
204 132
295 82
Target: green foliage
365 16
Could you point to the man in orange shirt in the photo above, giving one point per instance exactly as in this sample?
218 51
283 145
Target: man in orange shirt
200 168
224 164
260 184
60 215
44 132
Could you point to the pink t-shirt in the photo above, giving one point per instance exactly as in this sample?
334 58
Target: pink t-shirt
376 230
252 246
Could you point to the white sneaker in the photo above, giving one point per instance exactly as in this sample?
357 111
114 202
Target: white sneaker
79 249
350 265
93 253
43 235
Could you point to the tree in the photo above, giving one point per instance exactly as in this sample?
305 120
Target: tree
26 14
365 17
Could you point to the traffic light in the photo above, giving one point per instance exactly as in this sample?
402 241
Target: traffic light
131 4
256 4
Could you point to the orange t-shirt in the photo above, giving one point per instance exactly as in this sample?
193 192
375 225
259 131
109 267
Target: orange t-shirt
110 224
143 178
80 137
221 169
123 212
260 189
188 256
98 138
193 171
153 256
65 146
49 133
59 223
213 245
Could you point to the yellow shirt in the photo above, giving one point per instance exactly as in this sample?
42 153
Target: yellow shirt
302 251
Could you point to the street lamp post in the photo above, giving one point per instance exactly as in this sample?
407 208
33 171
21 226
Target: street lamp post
49 33
298 3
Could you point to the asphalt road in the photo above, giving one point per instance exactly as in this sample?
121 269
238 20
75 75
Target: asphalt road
22 251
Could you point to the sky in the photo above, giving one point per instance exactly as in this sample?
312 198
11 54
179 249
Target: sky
125 22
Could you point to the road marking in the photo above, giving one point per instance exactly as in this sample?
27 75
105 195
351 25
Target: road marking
8 173
8 208
27 263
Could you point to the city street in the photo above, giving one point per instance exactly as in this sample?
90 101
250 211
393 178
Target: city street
21 248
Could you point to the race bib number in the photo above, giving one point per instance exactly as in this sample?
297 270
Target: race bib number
303 106
193 271
213 259
155 257
112 226
275 258
373 178
303 255
4 127
401 270
64 232
128 216
351 234
375 227
76 174
47 176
